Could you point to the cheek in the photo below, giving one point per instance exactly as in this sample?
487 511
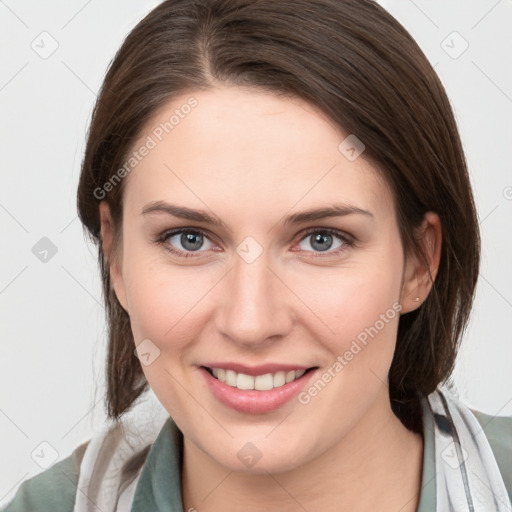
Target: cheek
162 305
361 308
358 303
166 308
363 311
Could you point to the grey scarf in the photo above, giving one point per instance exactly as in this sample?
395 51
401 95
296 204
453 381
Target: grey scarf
467 475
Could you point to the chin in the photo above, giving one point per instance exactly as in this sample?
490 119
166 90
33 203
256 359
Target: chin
260 454
274 464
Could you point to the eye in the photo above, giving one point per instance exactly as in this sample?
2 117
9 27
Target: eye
324 240
182 241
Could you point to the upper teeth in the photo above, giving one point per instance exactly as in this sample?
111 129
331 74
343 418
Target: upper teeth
260 382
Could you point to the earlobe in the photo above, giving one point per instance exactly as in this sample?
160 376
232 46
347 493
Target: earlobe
419 273
111 254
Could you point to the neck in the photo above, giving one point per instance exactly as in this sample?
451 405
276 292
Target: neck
376 466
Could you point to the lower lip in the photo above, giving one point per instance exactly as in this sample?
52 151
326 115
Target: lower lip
252 401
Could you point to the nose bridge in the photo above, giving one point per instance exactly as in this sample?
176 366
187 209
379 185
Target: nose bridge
255 302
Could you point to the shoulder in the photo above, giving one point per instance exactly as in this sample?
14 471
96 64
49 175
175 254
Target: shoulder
53 490
103 469
498 430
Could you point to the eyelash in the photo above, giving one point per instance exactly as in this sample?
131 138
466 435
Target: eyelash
348 241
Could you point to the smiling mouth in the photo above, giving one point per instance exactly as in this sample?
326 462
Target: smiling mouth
263 382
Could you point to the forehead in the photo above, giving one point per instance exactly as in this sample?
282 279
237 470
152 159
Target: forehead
232 145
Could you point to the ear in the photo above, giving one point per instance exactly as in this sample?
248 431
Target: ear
418 274
112 256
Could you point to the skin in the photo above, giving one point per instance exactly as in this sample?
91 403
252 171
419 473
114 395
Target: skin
252 158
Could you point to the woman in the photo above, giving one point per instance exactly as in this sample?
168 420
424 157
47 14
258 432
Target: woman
289 250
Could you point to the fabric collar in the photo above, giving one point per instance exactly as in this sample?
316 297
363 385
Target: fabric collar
159 485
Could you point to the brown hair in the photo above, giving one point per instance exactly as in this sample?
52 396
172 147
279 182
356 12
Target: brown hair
355 62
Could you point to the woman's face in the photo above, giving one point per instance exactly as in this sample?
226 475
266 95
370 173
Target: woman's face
260 288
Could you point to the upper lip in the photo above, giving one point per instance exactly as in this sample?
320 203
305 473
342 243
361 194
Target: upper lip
260 369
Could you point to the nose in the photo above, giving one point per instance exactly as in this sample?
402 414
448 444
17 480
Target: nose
255 308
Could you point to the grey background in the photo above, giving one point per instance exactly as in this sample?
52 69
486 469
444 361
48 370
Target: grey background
53 330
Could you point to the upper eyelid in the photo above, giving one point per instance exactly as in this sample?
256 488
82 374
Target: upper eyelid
176 231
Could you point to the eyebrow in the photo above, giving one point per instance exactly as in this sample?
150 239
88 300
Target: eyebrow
336 210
